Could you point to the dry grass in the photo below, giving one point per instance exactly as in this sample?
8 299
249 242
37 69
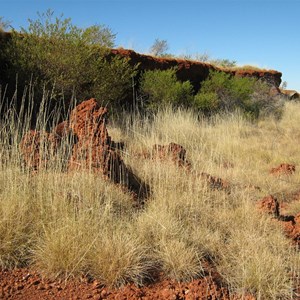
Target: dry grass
77 223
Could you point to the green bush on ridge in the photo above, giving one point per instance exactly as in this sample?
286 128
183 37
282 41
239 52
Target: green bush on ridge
224 92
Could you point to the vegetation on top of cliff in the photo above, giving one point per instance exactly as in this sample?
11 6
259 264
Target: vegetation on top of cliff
224 92
159 48
59 56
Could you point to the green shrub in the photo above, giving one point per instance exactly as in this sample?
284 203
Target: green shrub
224 92
69 59
207 102
163 89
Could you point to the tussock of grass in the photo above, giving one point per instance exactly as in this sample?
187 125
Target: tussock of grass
180 260
68 224
119 257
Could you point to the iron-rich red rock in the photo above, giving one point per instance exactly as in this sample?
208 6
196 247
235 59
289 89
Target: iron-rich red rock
62 129
216 183
96 151
291 228
283 169
173 151
92 149
269 205
38 147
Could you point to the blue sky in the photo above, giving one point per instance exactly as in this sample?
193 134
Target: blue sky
265 33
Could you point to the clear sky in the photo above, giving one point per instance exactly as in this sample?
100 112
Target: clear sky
265 33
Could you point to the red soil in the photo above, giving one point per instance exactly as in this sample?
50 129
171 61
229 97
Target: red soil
28 284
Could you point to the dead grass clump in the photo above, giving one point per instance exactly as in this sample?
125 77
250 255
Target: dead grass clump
256 257
62 248
118 257
72 223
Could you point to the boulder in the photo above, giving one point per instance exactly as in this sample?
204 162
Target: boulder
269 205
96 151
91 148
292 229
290 94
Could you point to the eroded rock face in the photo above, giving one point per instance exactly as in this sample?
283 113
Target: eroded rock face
96 151
194 71
92 147
283 169
88 123
38 147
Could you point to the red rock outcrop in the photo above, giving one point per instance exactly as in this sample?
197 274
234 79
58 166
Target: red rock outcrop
292 229
283 169
269 205
62 129
96 151
177 154
290 223
174 152
290 94
92 148
186 69
216 183
38 147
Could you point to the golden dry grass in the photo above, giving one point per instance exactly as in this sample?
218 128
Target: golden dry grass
78 223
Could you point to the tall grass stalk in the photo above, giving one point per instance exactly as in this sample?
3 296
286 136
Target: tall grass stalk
72 223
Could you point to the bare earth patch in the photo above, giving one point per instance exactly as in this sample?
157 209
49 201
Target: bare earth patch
27 284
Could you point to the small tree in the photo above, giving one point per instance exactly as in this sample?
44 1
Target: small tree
283 85
223 62
159 47
205 57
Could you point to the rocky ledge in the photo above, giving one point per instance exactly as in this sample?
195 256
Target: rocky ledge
194 71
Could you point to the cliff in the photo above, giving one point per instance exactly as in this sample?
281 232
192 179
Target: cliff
194 71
